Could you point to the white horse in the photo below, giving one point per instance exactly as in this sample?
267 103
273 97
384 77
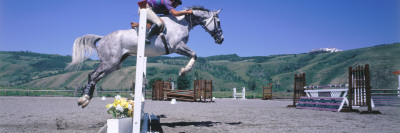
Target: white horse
115 47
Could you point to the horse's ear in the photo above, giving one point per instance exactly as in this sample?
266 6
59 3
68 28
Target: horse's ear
217 12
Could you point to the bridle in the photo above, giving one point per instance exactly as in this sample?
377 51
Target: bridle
217 32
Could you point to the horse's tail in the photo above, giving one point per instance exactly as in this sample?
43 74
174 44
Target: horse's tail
83 48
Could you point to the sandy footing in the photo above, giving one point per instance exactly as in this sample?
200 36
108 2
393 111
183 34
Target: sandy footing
61 114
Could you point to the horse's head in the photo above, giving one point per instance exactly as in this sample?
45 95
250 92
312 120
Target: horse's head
210 22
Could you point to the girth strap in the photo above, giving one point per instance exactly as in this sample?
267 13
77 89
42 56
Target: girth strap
164 40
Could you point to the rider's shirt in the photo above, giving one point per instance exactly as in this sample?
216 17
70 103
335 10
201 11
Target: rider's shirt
160 6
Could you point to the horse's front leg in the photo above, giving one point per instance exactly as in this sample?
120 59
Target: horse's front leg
188 67
186 51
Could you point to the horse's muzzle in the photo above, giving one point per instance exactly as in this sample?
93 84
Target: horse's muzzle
219 39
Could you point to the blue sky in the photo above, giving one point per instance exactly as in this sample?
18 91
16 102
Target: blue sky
251 28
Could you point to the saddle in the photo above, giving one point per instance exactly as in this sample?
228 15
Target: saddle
148 25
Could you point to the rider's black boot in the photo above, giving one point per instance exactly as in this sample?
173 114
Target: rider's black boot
154 29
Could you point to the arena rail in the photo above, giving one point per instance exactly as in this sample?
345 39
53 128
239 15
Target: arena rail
387 97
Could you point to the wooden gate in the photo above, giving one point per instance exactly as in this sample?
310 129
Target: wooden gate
202 90
298 89
360 88
159 88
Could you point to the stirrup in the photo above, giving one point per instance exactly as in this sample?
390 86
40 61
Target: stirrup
147 41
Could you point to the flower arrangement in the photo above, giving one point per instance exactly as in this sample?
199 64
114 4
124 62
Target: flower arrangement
120 108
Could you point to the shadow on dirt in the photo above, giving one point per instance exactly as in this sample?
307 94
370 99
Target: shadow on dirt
197 124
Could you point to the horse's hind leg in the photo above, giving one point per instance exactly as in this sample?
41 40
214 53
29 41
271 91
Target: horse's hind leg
101 71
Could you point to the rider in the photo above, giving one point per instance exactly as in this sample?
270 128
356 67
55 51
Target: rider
160 7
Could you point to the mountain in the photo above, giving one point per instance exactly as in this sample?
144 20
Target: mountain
331 50
34 70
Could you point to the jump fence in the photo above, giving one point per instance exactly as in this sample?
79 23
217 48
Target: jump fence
298 89
202 91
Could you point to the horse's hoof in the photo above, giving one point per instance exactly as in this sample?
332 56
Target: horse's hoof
84 100
85 104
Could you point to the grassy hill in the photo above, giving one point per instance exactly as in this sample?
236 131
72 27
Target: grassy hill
34 70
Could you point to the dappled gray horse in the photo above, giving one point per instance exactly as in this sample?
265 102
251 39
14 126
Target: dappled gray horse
115 47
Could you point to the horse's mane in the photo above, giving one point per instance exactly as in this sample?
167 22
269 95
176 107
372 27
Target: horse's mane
201 8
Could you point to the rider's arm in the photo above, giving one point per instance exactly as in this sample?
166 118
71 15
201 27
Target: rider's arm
179 13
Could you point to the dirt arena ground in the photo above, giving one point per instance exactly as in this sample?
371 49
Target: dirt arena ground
61 114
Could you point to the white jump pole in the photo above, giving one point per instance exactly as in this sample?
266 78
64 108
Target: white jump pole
139 106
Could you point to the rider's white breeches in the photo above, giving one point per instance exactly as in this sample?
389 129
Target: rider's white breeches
152 17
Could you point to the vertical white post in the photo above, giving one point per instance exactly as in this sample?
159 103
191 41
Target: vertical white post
243 93
138 108
398 89
234 93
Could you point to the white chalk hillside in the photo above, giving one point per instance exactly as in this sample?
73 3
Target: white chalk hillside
326 50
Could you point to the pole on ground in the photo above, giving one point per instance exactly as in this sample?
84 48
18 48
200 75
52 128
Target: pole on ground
139 69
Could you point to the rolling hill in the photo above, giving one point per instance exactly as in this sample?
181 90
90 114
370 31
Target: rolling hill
34 70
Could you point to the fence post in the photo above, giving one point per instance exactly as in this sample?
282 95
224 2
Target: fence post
298 88
294 91
398 89
211 89
350 97
367 87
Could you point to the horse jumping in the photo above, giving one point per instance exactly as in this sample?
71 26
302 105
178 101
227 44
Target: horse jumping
115 47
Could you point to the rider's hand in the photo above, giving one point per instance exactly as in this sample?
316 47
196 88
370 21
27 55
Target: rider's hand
189 11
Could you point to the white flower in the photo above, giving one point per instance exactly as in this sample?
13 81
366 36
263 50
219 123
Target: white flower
118 97
119 108
129 106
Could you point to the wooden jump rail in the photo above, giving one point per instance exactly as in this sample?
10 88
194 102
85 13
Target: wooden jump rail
183 95
201 92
